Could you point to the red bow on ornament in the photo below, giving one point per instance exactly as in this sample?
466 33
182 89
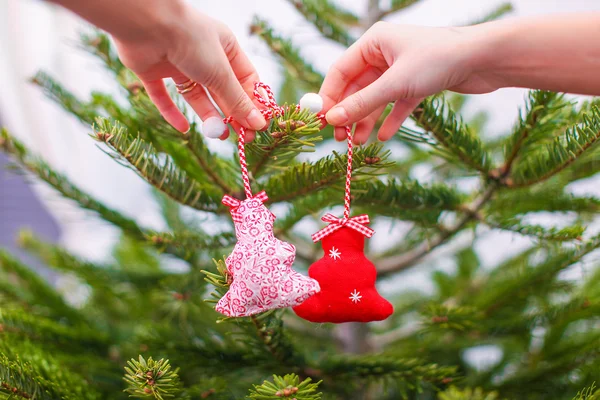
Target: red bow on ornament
356 223
346 277
234 204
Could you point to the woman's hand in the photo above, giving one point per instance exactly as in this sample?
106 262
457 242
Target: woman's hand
405 63
160 39
399 63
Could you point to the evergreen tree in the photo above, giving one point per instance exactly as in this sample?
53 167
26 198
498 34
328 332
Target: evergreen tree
148 332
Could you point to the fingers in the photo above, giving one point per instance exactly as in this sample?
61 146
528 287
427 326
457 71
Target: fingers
160 97
198 99
364 102
402 109
350 65
364 127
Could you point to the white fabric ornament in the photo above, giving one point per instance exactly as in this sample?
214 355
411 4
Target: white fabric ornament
312 102
213 127
260 264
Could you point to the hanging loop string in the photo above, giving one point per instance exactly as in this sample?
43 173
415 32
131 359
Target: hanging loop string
272 110
348 174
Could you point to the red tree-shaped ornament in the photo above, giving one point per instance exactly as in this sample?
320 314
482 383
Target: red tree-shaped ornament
346 277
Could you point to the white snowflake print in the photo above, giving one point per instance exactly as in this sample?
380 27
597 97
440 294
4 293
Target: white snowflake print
355 296
335 253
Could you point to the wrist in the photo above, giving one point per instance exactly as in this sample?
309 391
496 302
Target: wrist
493 52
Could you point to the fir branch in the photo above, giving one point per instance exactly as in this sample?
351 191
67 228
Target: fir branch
406 373
212 168
22 323
62 185
97 276
151 379
537 122
498 12
85 112
517 283
286 387
406 260
589 393
396 6
292 133
99 44
159 171
549 159
454 393
568 233
549 198
406 199
293 63
41 378
322 14
38 291
302 179
187 243
449 134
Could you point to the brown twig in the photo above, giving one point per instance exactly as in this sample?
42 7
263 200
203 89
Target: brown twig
406 260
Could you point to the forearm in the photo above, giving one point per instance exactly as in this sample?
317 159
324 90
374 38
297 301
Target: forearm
559 53
130 20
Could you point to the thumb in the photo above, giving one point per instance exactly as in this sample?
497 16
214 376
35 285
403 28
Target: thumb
388 87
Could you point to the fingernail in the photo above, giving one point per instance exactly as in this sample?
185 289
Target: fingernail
337 116
255 120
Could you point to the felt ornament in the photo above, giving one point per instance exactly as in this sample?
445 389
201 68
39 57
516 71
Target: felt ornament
345 275
260 265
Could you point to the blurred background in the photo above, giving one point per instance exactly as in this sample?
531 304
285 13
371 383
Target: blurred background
36 36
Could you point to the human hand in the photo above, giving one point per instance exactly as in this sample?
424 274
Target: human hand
400 63
197 47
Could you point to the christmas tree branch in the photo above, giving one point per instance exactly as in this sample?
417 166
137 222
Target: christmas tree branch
498 12
158 171
302 179
406 260
62 185
405 373
444 127
396 6
292 133
322 14
293 63
547 160
22 323
37 289
540 105
552 234
97 276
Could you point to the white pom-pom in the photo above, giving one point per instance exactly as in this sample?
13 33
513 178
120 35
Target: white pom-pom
213 127
311 101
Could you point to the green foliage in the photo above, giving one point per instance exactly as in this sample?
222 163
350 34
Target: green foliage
151 379
286 387
72 340
450 136
327 18
454 393
548 159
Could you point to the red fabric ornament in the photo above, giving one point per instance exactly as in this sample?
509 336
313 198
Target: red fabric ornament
347 280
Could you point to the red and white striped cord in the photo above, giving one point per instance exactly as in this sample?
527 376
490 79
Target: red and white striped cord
272 110
348 174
